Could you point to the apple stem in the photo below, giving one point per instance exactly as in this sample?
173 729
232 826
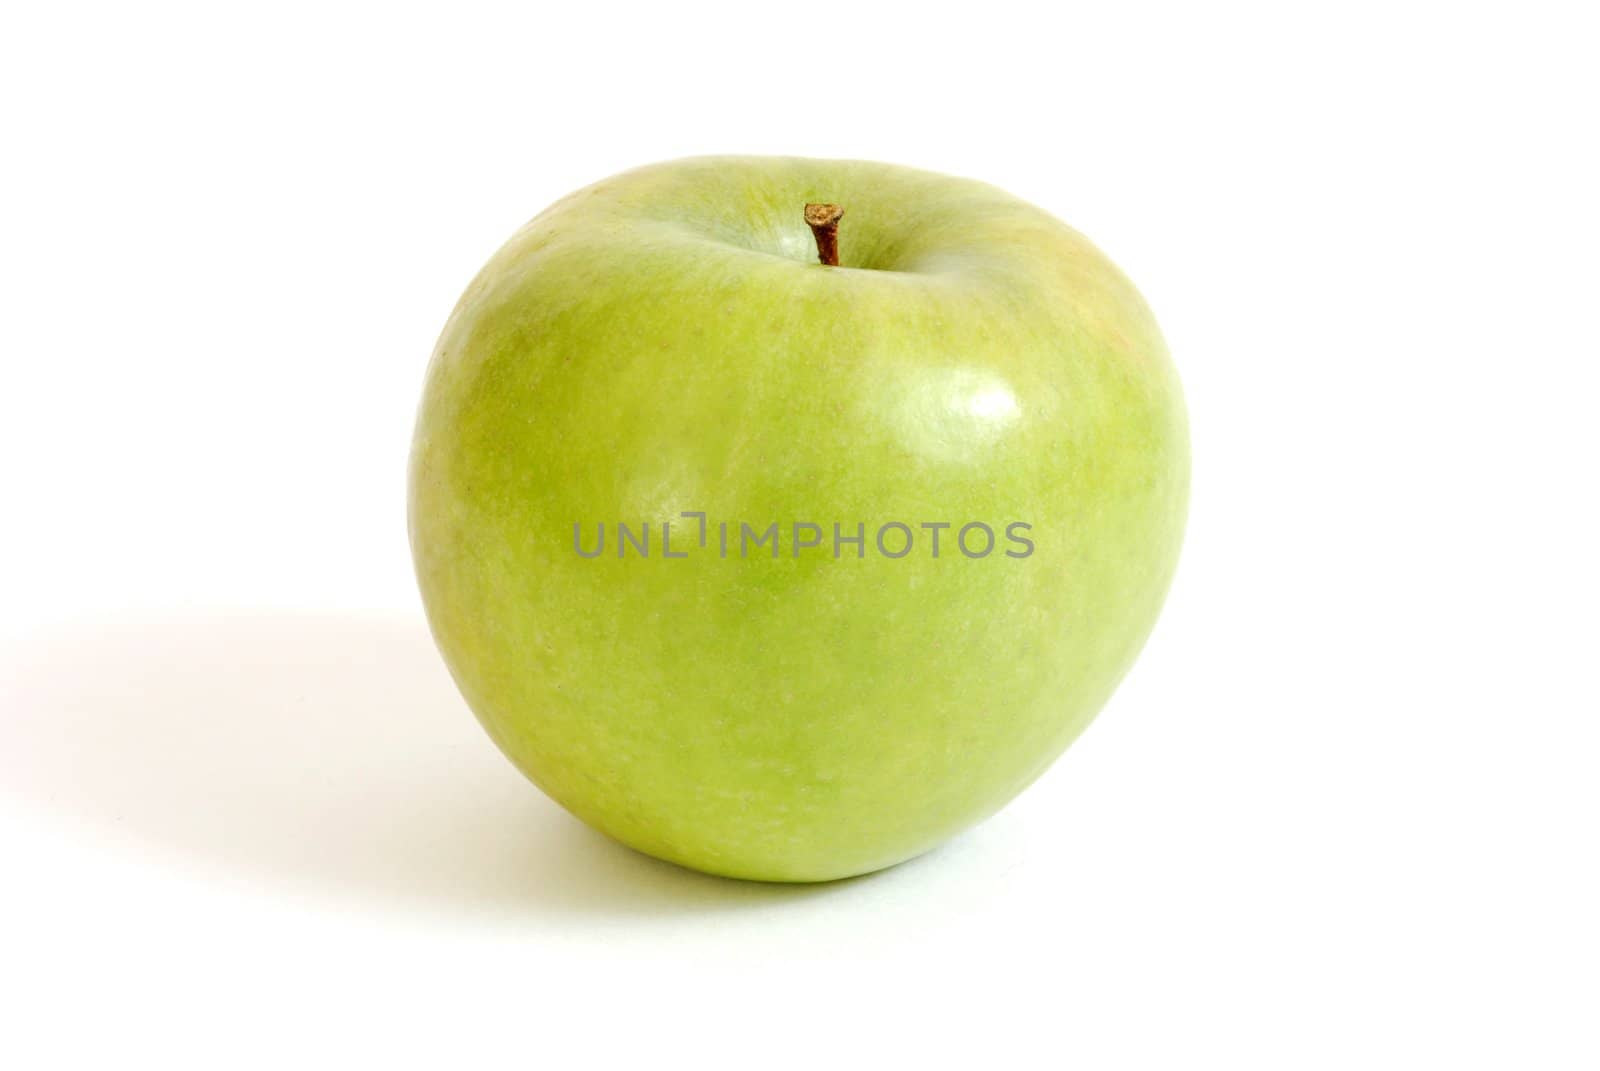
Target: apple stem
824 223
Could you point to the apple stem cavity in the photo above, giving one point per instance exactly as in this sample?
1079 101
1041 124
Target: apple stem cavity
824 223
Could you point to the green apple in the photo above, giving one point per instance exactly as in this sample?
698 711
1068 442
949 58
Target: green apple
785 569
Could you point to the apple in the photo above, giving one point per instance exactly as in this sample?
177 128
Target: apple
781 517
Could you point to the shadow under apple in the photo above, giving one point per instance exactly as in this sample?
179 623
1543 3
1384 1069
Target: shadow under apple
329 750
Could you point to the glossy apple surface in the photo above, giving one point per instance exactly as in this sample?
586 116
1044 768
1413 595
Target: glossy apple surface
665 342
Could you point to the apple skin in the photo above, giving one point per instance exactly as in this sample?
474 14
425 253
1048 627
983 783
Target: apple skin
666 341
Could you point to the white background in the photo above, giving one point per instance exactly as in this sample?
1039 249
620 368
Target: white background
1343 813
